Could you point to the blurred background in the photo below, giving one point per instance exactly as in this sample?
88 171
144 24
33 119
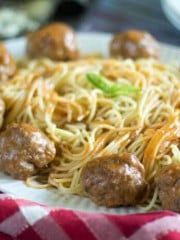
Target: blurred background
159 17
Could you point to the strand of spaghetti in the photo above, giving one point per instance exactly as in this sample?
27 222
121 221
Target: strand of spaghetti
30 181
78 156
152 203
114 145
102 140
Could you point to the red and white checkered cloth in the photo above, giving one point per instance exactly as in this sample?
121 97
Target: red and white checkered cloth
22 219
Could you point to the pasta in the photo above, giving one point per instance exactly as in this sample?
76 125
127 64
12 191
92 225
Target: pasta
85 123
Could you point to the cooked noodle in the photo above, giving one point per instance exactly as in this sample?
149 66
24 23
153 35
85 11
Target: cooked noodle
84 123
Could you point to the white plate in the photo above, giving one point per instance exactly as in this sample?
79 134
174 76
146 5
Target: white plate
88 43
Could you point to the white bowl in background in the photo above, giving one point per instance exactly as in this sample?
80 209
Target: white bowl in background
171 9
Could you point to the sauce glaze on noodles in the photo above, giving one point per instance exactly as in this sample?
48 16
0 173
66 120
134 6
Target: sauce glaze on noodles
84 123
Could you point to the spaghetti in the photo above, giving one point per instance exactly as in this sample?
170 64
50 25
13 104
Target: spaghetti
85 123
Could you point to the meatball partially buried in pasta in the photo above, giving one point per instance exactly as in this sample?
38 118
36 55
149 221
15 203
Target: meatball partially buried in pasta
56 41
114 180
168 182
24 149
134 44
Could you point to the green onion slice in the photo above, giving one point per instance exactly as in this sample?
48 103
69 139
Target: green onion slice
112 90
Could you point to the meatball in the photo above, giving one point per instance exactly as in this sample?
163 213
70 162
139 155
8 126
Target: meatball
24 149
168 183
114 180
134 44
7 64
2 110
56 41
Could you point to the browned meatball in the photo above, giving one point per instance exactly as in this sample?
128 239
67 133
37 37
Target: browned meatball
168 182
56 41
2 110
134 44
24 149
114 180
7 64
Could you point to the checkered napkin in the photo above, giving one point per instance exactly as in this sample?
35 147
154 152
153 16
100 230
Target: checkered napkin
22 219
